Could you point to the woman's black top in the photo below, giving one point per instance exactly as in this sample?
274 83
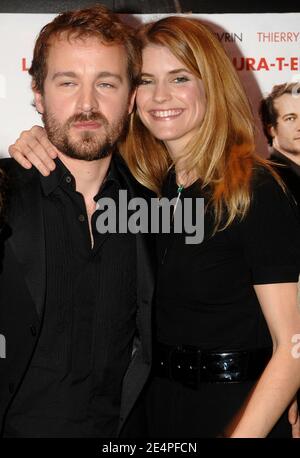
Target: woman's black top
205 295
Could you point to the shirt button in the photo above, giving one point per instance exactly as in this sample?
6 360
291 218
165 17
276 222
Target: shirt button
11 387
68 179
33 330
81 218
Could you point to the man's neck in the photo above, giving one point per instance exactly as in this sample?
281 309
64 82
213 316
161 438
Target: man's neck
89 175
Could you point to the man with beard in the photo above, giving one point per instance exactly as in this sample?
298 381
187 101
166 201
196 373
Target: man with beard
75 304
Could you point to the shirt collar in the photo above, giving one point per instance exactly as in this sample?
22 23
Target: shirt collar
52 181
112 176
61 176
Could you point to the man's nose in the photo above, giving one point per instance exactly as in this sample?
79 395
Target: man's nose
87 100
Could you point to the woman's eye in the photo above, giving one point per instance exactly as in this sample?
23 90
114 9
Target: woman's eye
181 79
290 118
144 82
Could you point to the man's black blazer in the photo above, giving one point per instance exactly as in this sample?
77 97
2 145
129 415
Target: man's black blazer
22 288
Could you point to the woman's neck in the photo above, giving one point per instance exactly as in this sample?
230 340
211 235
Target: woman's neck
176 151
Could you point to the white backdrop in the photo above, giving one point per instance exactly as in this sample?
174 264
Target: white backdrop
264 48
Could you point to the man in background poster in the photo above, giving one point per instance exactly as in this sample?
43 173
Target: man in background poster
280 115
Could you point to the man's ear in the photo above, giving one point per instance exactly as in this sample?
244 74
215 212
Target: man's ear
38 99
131 101
272 131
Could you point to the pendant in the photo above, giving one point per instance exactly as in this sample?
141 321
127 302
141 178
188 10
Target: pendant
180 189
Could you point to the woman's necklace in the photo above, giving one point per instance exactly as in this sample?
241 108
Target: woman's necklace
180 188
179 191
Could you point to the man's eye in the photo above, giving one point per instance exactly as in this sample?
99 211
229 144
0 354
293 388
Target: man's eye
67 83
290 118
108 85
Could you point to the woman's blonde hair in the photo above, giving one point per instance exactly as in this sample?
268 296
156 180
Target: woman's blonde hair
222 152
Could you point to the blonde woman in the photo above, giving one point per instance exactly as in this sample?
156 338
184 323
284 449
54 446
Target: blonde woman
226 311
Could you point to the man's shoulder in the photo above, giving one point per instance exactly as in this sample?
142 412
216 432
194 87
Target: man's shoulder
9 165
6 163
15 172
278 158
281 159
286 168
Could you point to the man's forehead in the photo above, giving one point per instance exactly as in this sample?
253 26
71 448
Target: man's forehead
74 40
287 103
73 53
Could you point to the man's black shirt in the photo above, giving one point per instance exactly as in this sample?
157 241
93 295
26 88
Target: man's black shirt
73 385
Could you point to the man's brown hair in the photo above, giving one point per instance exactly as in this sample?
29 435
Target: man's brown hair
96 21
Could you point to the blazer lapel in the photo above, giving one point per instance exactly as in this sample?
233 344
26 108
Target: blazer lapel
27 239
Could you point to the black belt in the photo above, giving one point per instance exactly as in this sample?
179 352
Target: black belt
190 365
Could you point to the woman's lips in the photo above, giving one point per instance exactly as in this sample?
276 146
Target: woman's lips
162 115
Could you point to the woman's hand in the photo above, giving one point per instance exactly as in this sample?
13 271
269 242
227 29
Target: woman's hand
294 419
34 148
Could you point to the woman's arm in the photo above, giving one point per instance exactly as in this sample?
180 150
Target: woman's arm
34 148
281 379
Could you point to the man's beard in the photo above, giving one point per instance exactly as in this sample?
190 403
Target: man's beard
91 145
